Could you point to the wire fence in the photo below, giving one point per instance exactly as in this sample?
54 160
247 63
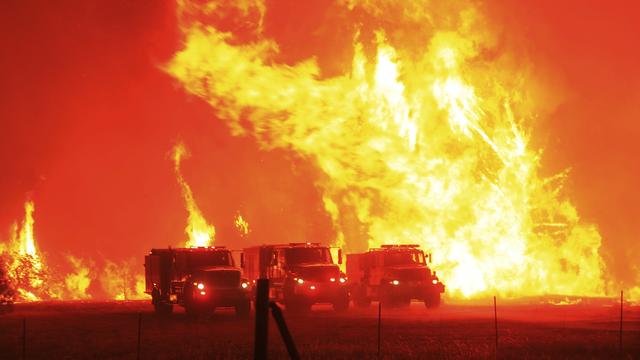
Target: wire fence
381 333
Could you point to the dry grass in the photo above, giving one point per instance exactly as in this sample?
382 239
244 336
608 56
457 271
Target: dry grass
80 330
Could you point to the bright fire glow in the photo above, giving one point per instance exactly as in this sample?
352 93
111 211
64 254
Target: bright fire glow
422 143
199 231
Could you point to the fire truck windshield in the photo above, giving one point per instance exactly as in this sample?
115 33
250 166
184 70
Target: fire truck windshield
308 255
403 258
213 258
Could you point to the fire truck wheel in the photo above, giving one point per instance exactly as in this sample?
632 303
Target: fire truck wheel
406 302
360 298
341 305
388 300
297 306
362 302
243 309
163 308
432 301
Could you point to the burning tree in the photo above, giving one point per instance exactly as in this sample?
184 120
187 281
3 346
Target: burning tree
24 270
7 289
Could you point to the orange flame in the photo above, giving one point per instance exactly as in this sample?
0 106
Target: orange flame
242 225
121 282
77 282
25 269
422 144
199 231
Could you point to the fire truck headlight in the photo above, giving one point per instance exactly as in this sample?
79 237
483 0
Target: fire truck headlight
245 285
312 287
203 293
333 279
343 280
434 281
394 282
201 286
300 281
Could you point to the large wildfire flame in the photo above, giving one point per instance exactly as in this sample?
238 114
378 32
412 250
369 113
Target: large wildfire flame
199 231
423 140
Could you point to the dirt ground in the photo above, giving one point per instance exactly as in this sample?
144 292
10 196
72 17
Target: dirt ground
109 330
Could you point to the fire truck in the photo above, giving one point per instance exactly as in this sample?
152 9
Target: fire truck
200 279
300 274
394 275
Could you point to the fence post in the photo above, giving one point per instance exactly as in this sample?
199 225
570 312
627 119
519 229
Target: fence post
495 319
621 302
379 326
139 335
262 319
24 338
284 331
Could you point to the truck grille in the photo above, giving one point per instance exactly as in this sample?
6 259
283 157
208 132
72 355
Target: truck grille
413 275
177 287
224 279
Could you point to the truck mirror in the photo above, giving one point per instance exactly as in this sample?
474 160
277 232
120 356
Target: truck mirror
242 260
339 256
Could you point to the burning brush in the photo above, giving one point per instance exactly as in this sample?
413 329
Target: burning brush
24 272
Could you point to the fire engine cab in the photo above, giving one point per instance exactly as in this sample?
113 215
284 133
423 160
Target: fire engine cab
300 274
200 279
394 275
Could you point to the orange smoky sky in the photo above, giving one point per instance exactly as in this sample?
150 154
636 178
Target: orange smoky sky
88 119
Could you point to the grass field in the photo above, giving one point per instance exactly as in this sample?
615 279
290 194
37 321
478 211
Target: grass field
109 330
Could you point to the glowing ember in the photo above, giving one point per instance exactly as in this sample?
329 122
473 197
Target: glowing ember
423 142
199 231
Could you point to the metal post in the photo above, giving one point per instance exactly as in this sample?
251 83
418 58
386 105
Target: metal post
379 326
262 319
139 335
621 302
284 331
495 317
24 338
